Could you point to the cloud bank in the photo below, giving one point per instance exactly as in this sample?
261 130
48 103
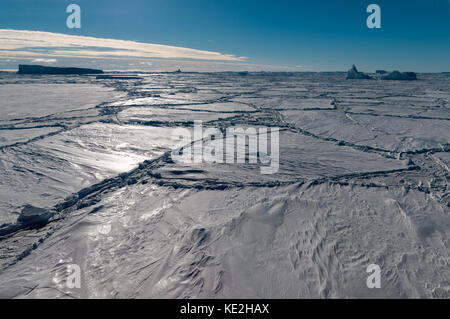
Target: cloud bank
40 60
42 45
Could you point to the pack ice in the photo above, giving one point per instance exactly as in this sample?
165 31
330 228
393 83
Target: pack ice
87 179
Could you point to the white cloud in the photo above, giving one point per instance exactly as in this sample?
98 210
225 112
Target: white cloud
40 60
41 45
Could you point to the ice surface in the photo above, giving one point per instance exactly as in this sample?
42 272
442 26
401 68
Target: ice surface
302 158
398 134
363 178
293 241
45 171
228 107
19 135
20 101
167 115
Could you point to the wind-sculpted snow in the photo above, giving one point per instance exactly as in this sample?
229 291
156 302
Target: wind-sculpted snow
20 101
88 179
167 115
293 241
14 135
45 171
301 158
397 134
444 160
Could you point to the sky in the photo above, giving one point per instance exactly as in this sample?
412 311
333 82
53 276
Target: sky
212 35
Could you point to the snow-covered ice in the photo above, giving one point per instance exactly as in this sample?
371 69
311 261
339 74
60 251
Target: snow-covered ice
87 179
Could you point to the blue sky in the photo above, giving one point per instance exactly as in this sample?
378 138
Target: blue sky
296 35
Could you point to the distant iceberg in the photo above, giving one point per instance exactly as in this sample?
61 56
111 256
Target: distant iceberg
50 70
118 77
353 73
399 76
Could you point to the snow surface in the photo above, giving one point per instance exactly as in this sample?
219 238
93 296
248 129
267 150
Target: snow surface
363 179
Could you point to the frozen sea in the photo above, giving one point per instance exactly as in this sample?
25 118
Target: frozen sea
363 179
